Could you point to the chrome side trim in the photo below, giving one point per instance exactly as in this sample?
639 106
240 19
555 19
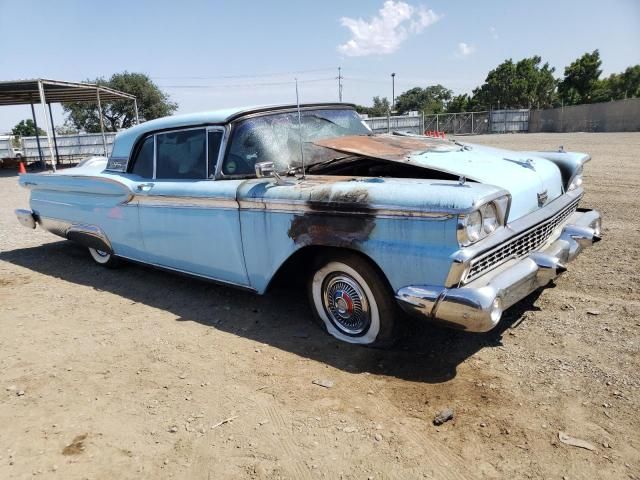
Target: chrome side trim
297 206
167 201
284 206
51 202
83 177
55 226
88 235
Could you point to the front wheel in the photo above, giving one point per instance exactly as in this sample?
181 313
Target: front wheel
104 259
353 302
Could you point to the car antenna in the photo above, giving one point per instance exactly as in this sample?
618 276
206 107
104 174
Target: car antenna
300 129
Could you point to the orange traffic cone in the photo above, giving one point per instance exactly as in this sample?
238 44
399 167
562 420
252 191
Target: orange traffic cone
21 169
443 135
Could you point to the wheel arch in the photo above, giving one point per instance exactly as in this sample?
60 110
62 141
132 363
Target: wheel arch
308 258
89 236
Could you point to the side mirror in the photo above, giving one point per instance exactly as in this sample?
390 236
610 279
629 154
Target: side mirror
264 169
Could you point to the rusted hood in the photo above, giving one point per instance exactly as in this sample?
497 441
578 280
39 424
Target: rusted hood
386 147
524 175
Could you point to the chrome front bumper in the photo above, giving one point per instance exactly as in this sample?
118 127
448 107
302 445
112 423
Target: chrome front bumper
478 305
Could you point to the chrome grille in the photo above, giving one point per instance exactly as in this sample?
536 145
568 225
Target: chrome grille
519 246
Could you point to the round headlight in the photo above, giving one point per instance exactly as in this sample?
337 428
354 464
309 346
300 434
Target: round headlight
576 180
489 217
474 226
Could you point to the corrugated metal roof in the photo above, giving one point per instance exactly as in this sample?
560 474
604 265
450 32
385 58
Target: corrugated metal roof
24 92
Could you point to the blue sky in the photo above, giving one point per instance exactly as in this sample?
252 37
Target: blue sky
211 54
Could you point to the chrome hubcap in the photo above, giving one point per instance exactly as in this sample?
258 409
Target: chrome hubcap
346 304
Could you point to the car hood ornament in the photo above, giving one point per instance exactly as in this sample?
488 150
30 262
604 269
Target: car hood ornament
542 198
528 163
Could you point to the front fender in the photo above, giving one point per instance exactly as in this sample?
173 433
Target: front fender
406 249
406 226
569 163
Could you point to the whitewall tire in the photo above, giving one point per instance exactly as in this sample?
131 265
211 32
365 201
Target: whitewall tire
104 259
352 301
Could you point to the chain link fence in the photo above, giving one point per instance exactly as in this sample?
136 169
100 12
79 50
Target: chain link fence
399 123
463 123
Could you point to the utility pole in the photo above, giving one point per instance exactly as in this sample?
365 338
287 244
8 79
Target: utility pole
340 77
393 92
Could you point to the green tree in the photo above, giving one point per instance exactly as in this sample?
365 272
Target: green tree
432 99
524 84
628 83
26 128
619 85
459 103
362 109
381 107
152 103
66 129
581 80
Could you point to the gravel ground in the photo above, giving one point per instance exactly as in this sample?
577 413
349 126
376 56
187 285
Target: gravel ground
136 373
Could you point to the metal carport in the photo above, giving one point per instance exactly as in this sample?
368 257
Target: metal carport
46 92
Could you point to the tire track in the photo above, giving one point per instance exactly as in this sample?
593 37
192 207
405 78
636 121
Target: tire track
443 462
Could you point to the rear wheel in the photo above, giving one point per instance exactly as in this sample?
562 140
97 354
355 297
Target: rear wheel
104 259
353 302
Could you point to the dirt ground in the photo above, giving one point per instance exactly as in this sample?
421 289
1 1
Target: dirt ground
135 373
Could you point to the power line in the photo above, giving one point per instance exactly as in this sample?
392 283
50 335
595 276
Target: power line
244 85
254 75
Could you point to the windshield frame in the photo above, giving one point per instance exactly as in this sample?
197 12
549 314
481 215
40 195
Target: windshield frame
233 128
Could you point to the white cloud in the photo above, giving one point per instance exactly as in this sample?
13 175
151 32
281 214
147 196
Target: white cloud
384 33
464 49
494 33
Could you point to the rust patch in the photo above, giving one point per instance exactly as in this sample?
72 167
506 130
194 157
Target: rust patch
331 230
354 199
386 147
339 218
76 447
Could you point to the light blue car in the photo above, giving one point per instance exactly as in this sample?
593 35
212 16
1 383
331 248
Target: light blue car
446 231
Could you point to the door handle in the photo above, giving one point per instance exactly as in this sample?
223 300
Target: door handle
144 187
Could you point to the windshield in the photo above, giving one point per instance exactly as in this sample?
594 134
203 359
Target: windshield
276 138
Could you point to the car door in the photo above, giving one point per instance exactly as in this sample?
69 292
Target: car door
189 221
